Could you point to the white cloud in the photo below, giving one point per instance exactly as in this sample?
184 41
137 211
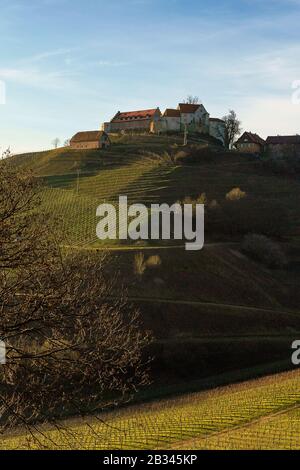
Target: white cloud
35 78
47 55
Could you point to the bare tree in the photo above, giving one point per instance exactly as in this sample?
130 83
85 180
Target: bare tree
232 128
6 154
192 100
67 143
56 142
71 348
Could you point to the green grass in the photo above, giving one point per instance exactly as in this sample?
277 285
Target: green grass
260 414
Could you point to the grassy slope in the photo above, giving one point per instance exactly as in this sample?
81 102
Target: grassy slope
233 297
203 322
261 414
125 170
213 311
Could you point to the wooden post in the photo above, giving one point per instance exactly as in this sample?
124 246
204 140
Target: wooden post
185 135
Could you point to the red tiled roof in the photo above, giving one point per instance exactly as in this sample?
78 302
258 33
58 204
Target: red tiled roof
88 136
253 138
284 140
129 120
186 108
143 114
172 113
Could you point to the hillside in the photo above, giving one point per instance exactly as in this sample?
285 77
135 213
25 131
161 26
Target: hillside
76 182
210 311
258 415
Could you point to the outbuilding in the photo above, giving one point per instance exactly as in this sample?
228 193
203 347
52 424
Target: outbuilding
250 143
283 145
90 140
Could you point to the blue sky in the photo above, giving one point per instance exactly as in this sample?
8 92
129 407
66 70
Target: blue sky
69 65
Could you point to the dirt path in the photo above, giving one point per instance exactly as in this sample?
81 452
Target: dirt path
209 304
144 248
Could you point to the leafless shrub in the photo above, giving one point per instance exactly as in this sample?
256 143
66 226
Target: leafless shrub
139 264
201 199
235 194
153 261
195 154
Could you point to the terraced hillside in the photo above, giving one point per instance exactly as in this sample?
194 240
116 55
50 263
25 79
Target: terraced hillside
78 181
214 312
139 167
76 204
215 308
260 414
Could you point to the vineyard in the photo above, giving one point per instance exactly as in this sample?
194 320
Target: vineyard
76 205
212 312
77 182
261 414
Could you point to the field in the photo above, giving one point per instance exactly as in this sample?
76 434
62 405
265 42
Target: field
260 414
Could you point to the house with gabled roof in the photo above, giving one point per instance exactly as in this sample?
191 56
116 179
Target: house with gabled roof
250 143
194 116
90 140
191 117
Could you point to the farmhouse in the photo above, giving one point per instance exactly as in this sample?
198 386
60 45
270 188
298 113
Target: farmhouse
281 145
133 120
191 117
194 116
250 143
90 140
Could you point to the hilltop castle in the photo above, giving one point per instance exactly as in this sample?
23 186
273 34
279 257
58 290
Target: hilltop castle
193 117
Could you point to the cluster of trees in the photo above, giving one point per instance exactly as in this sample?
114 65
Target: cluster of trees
70 347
